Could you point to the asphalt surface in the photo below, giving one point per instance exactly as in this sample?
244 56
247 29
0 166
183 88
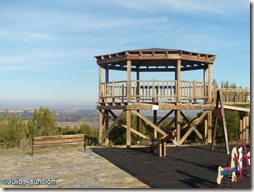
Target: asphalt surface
183 167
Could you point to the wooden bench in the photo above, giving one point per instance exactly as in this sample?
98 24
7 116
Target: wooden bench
58 140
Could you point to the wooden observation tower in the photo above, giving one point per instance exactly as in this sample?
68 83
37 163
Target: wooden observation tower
131 95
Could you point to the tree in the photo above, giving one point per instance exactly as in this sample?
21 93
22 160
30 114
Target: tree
90 134
43 123
227 85
12 130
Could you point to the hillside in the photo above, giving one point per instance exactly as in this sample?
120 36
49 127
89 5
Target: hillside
76 117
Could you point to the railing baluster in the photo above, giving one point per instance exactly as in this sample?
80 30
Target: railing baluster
165 90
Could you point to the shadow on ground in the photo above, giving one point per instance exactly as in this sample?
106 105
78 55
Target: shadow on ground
184 167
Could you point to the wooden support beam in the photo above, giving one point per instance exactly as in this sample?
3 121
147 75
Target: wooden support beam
100 81
241 127
190 123
171 122
107 116
186 135
136 132
113 114
100 125
178 80
209 83
128 128
106 80
206 129
205 79
164 149
113 125
209 129
159 147
244 127
178 126
193 127
155 123
200 118
186 118
247 129
149 122
138 84
163 118
219 112
137 122
147 128
128 81
214 132
106 127
198 133
240 109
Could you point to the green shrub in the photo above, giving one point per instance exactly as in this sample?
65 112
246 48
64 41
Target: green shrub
90 134
12 130
70 131
43 123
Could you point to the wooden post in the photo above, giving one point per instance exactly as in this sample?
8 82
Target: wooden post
138 123
209 124
106 127
128 114
241 127
219 112
100 116
84 142
138 85
206 129
244 127
106 81
247 129
205 80
209 83
177 126
178 98
225 132
100 81
159 147
164 149
128 81
214 133
128 130
214 87
178 80
153 90
138 97
194 91
100 124
155 122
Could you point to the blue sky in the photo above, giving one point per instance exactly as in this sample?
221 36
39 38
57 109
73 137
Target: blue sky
47 47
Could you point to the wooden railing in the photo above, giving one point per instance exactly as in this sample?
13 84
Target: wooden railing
113 91
154 91
235 96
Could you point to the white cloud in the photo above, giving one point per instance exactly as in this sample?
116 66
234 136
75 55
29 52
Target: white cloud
187 6
44 60
56 21
23 36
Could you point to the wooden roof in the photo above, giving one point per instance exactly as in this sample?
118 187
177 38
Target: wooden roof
155 59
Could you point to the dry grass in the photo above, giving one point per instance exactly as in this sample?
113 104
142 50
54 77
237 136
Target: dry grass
40 149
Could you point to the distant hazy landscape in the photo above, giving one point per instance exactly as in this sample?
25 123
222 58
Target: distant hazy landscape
72 115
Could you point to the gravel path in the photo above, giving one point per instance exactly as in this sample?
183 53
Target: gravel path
76 169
